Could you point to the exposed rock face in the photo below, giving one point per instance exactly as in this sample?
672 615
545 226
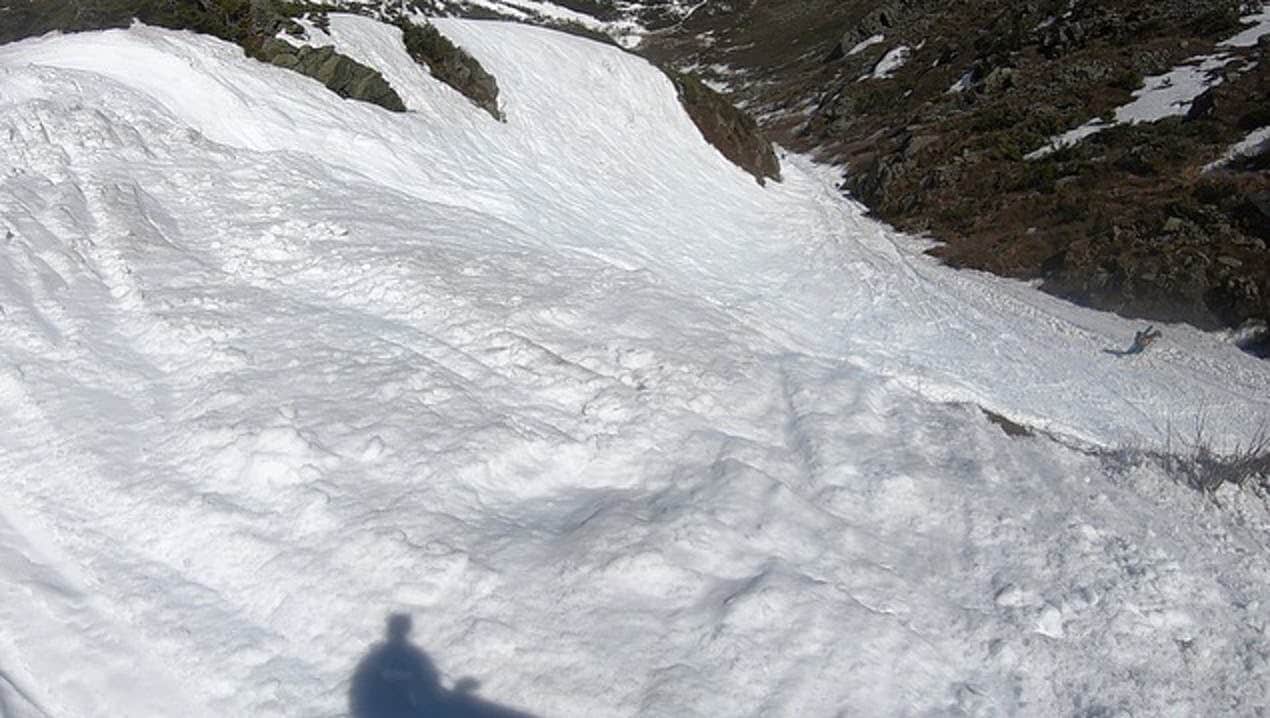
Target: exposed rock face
341 74
452 65
735 134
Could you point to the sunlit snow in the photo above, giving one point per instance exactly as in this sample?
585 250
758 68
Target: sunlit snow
623 432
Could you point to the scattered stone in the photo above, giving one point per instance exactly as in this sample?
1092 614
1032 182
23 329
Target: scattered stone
1202 106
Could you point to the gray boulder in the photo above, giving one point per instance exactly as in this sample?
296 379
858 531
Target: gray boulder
341 74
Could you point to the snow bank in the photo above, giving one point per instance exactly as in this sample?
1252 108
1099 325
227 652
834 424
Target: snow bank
625 433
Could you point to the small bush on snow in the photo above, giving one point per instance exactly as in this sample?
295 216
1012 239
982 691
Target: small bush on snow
1195 461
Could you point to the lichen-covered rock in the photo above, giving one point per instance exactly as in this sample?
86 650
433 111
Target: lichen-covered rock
341 74
734 133
452 65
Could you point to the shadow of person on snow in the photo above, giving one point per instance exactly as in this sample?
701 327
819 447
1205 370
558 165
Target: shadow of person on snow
398 680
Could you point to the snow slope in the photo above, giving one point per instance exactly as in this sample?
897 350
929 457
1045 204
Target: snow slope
626 433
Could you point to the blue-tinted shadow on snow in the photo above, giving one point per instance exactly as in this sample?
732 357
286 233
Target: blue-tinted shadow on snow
398 680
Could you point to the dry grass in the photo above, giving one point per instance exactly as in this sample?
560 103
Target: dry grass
1197 463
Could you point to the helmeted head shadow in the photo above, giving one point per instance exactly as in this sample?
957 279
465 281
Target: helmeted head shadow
398 680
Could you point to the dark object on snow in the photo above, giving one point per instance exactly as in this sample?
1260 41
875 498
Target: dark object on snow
452 65
1202 106
1012 429
340 73
397 680
735 134
1141 340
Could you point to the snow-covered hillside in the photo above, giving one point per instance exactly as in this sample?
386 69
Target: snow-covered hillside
622 431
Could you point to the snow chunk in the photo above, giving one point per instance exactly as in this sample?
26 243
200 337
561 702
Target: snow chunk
1050 622
1172 93
273 457
1253 144
963 83
1068 138
1259 25
865 44
890 62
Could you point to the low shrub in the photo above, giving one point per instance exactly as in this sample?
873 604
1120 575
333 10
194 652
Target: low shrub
1197 463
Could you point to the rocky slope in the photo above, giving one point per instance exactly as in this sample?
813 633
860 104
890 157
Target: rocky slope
936 109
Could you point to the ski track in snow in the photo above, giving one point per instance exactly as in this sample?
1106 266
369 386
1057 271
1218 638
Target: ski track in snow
626 433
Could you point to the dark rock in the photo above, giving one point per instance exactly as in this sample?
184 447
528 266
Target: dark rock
734 133
341 74
1202 106
1253 336
1011 429
1233 298
452 65
1260 204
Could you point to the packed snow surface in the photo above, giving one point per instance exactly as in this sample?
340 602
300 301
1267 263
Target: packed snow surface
623 432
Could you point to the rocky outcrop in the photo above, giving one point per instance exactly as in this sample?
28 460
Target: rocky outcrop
252 24
452 65
878 20
341 74
734 133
